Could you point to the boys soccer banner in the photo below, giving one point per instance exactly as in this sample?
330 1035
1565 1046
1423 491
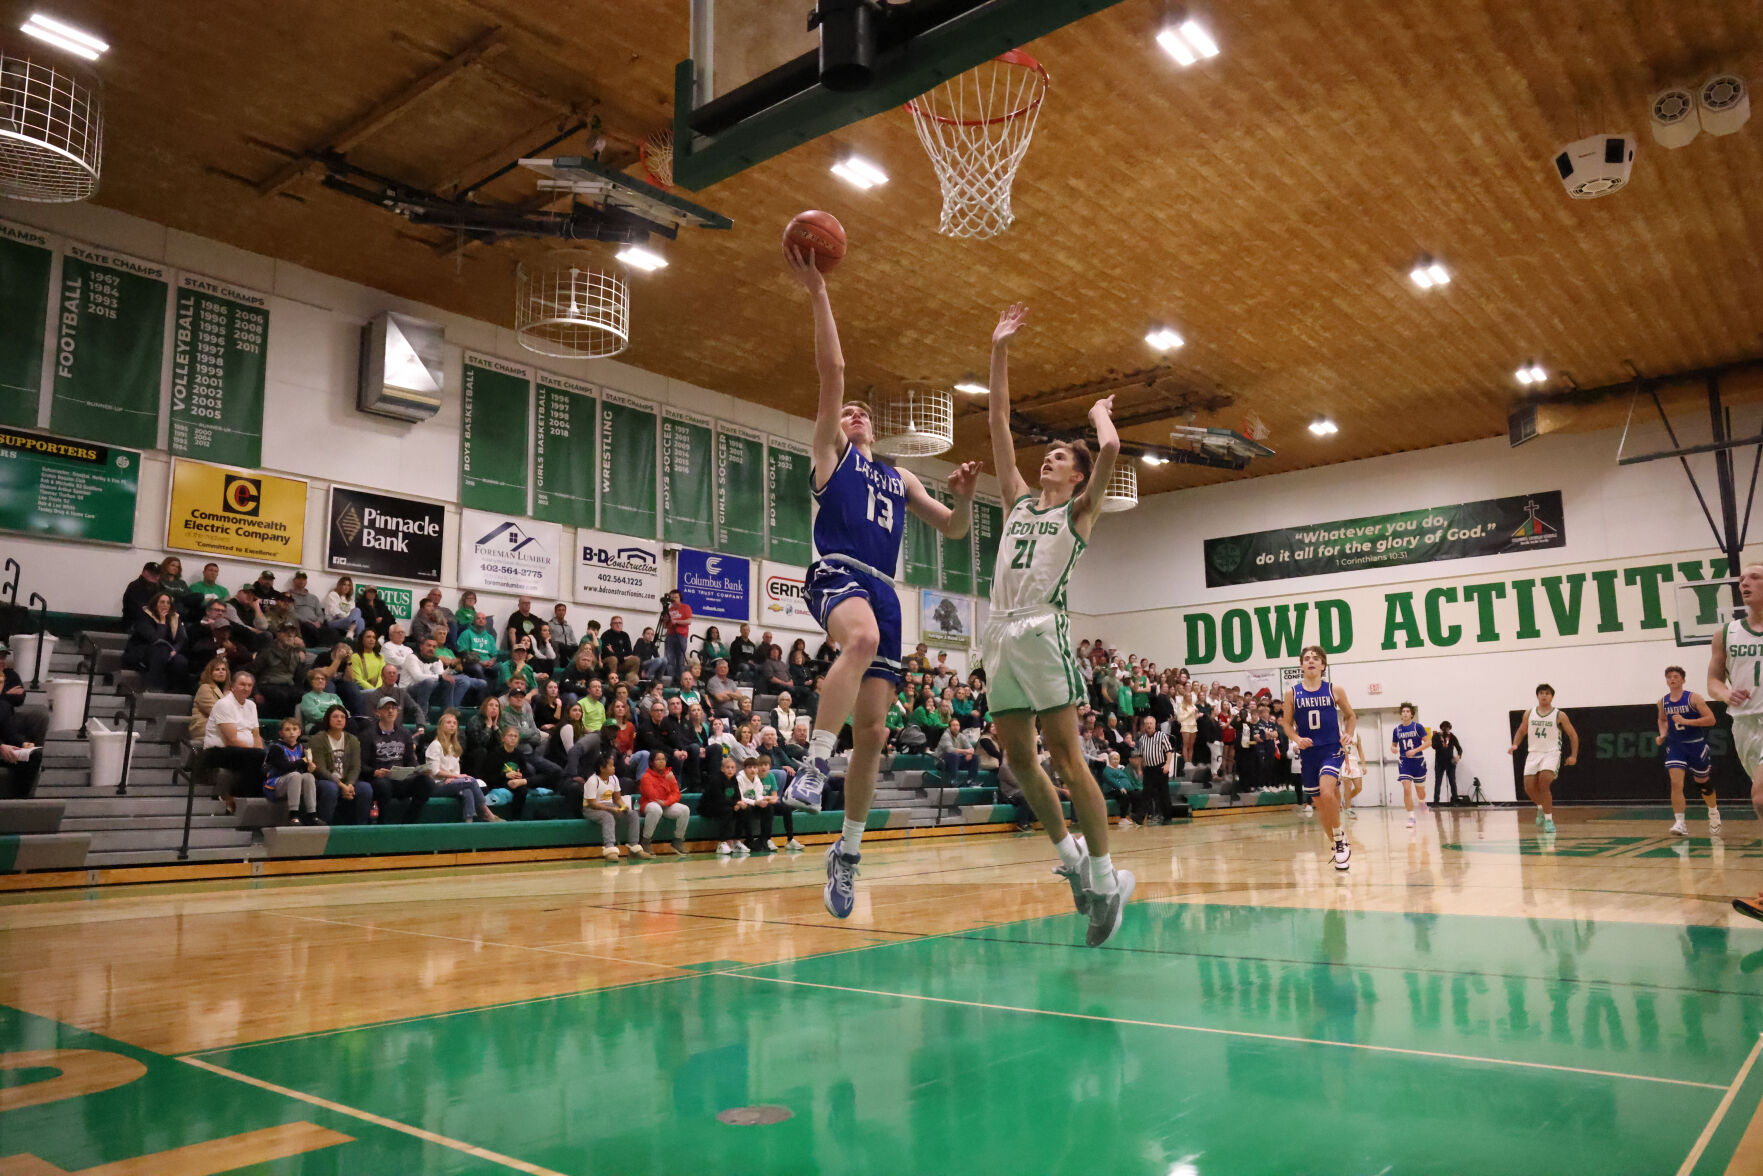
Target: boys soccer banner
219 344
688 485
518 556
1493 526
945 620
718 587
109 344
379 535
26 257
67 489
495 397
239 513
617 571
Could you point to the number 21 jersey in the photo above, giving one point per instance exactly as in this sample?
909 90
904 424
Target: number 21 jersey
862 512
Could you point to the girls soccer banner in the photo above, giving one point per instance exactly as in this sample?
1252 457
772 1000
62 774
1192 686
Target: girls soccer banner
1493 526
26 257
740 481
496 396
501 553
219 348
109 348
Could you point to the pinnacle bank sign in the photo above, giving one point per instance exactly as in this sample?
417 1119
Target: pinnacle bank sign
379 535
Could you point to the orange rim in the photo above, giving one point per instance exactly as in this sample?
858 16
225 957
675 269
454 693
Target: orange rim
1016 57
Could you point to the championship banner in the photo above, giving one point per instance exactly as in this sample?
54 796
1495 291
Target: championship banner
564 469
688 486
783 596
957 554
944 620
627 464
740 484
718 587
988 525
67 489
1493 526
517 556
239 513
219 348
372 534
789 498
617 571
495 397
109 345
919 548
26 259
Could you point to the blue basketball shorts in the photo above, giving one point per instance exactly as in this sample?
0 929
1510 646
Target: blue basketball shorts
1694 758
831 584
1318 762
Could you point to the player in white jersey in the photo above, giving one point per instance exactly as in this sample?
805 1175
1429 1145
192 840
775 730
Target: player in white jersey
1026 647
1544 725
1735 677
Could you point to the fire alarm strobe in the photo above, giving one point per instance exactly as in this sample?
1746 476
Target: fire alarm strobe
1595 166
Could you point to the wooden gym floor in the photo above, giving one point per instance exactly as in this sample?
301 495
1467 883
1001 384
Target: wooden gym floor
1470 997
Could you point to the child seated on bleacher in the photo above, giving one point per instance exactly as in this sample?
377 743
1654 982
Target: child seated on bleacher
288 774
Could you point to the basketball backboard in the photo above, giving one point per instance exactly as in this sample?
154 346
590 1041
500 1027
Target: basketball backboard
764 76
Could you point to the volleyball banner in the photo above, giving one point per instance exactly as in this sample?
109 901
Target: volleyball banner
1493 526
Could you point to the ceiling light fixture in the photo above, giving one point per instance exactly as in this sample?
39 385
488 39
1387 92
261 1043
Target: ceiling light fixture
1428 273
1152 459
971 386
640 257
1164 338
1323 427
1532 373
64 36
1187 42
859 172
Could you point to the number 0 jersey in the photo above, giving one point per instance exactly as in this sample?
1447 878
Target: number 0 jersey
1315 716
1035 556
1744 666
862 512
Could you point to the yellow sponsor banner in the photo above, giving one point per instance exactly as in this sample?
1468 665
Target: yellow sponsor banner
244 514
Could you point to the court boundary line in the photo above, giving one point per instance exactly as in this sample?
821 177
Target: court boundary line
470 1149
1392 1049
1714 1120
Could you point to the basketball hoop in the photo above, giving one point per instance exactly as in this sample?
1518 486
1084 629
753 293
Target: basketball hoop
657 155
976 128
915 421
1254 428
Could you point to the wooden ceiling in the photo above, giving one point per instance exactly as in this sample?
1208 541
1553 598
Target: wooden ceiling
1268 203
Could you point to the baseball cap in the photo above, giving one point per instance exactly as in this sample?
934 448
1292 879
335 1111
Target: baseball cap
385 702
518 686
5 649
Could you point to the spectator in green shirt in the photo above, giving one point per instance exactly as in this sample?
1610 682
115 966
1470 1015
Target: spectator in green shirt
516 667
316 701
209 585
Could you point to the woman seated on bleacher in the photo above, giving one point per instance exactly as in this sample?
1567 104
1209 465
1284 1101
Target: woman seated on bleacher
783 716
339 674
317 700
156 645
548 706
443 757
366 665
336 761
210 685
574 744
485 727
619 735
505 765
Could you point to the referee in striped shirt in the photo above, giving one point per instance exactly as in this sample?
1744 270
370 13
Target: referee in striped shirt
1156 760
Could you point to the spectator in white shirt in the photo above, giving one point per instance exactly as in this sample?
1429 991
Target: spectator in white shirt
340 611
604 804
232 742
562 632
783 716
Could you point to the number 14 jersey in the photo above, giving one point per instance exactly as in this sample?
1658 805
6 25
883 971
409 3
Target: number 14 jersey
1035 557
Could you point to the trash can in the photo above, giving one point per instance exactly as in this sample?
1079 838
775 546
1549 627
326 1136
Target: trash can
24 654
67 700
107 756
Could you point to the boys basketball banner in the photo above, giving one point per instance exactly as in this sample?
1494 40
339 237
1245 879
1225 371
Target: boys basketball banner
239 513
1493 526
495 398
617 571
502 554
67 489
109 345
26 257
219 348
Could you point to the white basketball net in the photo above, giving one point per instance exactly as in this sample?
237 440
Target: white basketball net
976 128
657 152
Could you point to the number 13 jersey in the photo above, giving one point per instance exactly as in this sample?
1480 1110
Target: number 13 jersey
1035 556
862 512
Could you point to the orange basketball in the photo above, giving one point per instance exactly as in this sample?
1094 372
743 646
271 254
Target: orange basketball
819 233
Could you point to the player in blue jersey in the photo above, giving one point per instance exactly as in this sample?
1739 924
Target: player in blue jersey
850 585
1684 719
1318 719
1408 746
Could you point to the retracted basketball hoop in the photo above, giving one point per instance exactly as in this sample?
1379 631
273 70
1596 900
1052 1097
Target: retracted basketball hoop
976 128
657 156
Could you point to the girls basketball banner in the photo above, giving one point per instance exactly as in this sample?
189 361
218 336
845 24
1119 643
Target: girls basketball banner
1493 526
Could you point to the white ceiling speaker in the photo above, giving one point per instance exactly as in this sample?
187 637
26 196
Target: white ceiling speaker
1595 166
1725 102
1674 118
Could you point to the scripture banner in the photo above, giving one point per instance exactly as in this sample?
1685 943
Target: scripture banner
627 465
1575 604
109 348
67 489
517 556
495 398
988 525
243 514
740 480
718 587
789 502
783 596
1493 526
26 259
617 571
945 620
688 489
378 535
918 552
957 555
219 345
1620 757
564 470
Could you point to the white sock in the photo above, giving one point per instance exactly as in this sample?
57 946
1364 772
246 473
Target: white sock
1070 852
1713 811
1102 875
822 744
1334 834
852 832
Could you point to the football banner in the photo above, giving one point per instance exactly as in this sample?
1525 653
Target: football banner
244 514
109 346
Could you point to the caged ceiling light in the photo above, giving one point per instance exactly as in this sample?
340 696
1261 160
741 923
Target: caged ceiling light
51 129
566 306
